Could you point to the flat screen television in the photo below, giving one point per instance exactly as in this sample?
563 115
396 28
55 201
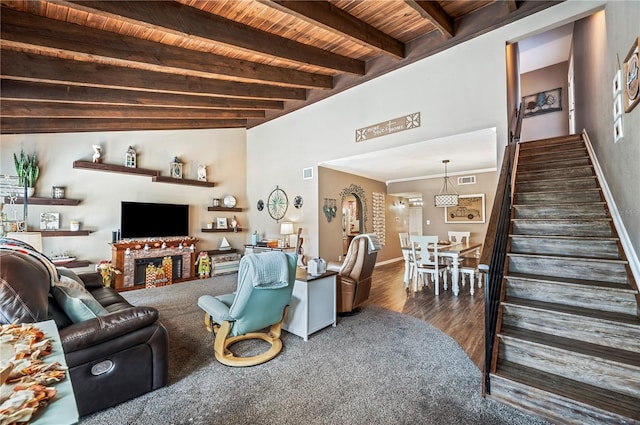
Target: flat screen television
151 220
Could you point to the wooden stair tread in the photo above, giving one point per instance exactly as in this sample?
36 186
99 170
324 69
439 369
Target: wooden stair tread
551 141
586 348
600 398
559 179
567 257
627 319
530 158
568 281
559 191
567 205
564 237
554 164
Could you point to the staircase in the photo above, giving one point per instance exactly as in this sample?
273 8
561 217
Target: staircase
568 337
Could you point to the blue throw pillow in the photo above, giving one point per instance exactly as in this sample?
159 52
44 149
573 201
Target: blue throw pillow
76 301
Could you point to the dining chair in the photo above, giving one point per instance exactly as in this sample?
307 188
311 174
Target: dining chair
407 255
459 236
424 250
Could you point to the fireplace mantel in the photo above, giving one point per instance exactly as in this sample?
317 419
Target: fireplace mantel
124 253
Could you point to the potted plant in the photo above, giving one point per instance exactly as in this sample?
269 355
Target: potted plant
28 170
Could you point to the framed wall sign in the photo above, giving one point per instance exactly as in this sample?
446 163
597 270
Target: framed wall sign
470 209
630 82
543 102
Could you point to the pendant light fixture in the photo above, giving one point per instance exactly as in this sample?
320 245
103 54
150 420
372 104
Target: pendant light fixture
444 198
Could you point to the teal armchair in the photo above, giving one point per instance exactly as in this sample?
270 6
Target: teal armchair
265 285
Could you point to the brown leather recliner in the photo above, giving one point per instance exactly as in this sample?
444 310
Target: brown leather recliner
111 358
354 274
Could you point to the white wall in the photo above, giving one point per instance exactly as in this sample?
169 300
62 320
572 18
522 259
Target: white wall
459 90
222 151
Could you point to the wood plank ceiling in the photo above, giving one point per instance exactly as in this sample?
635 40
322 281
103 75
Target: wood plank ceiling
74 66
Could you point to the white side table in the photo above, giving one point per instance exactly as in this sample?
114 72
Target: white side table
313 304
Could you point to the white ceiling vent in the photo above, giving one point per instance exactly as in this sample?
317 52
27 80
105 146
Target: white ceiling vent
307 173
467 180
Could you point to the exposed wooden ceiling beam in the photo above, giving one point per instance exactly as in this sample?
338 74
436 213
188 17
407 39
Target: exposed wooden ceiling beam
74 125
29 90
17 108
326 15
190 22
29 67
36 33
432 11
511 5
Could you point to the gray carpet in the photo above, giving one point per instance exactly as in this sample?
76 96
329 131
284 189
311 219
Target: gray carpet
379 367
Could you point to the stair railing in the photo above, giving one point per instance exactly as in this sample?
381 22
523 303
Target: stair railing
494 249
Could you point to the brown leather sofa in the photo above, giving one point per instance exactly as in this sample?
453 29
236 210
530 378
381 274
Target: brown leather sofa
112 358
354 274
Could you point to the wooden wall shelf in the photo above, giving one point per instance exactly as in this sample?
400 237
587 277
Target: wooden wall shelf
112 168
75 264
220 230
224 209
222 251
51 233
45 201
188 182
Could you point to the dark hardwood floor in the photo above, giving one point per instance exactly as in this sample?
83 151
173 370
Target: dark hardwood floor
461 317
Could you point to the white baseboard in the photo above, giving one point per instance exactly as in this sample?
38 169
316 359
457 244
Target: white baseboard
393 260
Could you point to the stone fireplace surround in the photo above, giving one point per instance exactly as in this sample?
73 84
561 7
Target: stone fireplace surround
124 254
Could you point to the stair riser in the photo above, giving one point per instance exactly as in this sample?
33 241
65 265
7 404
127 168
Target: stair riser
567 247
585 196
599 228
553 165
562 173
610 334
556 185
611 375
569 268
585 211
556 155
552 407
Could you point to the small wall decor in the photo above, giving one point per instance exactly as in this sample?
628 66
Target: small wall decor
221 223
260 205
329 209
175 168
130 158
202 173
393 125
97 154
277 204
543 102
630 78
297 202
618 132
470 209
49 221
379 217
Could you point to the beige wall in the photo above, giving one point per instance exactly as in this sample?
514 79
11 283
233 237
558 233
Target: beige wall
598 41
551 124
485 183
222 151
331 184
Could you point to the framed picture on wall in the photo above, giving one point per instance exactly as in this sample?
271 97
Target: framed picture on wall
470 209
221 223
49 221
542 103
630 78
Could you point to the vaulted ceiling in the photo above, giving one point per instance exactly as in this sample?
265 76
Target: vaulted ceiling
74 66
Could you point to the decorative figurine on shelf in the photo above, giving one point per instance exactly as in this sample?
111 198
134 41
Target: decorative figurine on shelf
97 154
130 158
204 264
234 224
202 173
176 168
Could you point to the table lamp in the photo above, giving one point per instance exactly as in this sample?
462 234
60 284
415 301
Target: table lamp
286 229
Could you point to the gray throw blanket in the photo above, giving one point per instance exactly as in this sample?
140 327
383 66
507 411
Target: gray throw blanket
269 270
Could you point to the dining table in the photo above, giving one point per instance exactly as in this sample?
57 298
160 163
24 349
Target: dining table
452 250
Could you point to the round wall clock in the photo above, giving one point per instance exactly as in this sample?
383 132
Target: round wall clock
277 204
229 201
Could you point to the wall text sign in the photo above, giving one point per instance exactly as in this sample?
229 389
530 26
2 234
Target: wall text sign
388 127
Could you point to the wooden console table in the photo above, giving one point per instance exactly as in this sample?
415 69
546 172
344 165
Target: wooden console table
125 252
